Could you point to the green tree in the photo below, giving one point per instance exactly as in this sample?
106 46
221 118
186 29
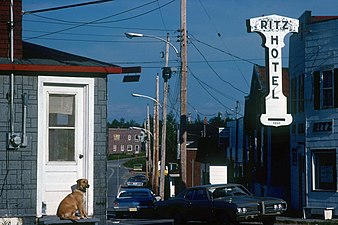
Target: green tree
171 138
122 123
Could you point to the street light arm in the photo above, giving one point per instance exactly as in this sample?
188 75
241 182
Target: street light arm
142 129
132 35
146 96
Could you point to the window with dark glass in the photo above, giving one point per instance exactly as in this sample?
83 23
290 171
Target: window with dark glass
301 93
335 88
189 194
325 175
327 89
200 194
316 90
293 96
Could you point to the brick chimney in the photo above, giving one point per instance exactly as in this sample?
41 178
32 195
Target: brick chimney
5 16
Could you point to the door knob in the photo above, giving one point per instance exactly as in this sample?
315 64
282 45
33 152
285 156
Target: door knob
80 156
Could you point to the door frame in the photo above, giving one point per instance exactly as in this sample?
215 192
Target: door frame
88 133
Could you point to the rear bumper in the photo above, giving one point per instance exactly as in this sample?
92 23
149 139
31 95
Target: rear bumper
133 208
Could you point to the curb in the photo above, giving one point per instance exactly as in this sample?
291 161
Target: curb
289 220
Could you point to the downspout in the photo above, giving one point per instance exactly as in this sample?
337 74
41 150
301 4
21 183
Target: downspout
15 140
12 74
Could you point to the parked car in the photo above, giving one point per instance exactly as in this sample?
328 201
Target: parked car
134 202
220 204
138 167
143 178
137 181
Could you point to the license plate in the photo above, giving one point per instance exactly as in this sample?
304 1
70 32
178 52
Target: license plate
132 209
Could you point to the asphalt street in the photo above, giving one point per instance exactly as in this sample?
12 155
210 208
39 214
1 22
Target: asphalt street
117 176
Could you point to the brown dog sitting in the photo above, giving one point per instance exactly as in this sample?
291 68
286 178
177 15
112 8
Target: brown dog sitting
74 202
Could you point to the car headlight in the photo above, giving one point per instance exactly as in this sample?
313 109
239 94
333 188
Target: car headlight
278 206
241 210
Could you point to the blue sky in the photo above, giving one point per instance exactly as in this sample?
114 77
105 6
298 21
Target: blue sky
220 51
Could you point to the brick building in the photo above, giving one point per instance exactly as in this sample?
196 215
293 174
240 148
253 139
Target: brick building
125 141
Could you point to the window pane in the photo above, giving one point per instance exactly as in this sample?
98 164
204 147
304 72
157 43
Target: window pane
61 145
325 170
327 89
327 79
327 98
61 110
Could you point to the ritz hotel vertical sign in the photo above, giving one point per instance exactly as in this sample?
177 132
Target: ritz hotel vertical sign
273 29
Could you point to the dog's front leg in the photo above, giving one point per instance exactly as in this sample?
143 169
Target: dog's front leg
82 212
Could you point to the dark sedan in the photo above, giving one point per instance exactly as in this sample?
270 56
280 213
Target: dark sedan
134 202
220 204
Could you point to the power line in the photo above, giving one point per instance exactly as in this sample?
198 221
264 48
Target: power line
216 99
65 7
198 112
211 87
209 65
228 53
103 26
220 36
100 19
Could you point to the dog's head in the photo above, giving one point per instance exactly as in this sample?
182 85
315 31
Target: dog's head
82 184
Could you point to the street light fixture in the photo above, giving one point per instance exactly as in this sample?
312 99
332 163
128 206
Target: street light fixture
131 35
148 97
156 135
166 76
142 129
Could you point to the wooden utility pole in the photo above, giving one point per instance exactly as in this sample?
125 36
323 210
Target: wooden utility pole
183 119
148 146
156 139
164 118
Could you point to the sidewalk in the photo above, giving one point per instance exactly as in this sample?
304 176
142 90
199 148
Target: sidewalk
293 220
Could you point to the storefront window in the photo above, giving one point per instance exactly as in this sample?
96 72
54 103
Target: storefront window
324 168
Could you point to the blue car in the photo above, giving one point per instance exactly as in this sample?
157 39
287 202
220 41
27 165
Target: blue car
134 202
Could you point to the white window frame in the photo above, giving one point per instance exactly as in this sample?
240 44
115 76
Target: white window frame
137 149
122 148
136 138
327 89
117 137
314 154
129 148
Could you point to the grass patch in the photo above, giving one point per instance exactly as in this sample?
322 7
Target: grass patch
136 161
119 156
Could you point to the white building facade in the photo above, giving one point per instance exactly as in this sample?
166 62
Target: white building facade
313 69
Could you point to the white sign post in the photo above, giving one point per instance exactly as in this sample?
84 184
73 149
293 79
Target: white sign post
273 29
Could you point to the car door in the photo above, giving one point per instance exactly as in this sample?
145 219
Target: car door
200 205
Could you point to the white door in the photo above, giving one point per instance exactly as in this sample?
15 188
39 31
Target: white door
65 143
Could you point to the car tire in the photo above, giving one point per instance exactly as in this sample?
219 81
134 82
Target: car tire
223 219
118 215
269 221
178 220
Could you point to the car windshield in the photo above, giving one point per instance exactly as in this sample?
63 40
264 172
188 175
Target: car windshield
134 179
134 194
222 192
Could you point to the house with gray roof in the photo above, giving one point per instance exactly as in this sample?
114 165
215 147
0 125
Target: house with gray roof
53 127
